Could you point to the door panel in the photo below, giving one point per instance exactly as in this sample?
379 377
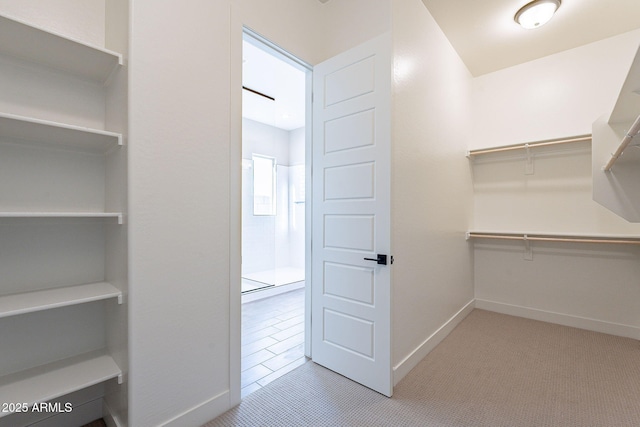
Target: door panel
353 80
349 182
349 232
348 282
353 131
351 296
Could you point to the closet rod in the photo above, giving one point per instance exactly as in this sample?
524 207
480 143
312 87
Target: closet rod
529 145
555 238
635 129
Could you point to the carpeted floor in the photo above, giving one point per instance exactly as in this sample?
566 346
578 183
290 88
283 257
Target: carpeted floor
492 370
96 423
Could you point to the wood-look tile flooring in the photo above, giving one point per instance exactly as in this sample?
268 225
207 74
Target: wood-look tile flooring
272 339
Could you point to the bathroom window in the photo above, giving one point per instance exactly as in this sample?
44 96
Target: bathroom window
264 185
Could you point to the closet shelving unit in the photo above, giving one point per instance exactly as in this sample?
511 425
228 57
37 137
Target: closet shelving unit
528 237
59 54
616 150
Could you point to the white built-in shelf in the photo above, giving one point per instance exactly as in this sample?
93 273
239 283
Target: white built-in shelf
56 379
106 215
25 41
29 302
554 237
627 106
57 134
529 145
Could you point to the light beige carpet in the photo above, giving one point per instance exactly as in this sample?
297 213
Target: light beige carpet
492 370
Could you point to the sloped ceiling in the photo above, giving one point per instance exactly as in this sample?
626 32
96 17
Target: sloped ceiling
487 39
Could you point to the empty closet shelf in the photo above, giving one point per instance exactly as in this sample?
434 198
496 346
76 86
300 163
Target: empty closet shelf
53 134
106 215
28 42
29 302
56 379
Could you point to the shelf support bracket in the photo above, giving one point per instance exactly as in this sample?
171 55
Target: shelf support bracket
528 169
120 379
528 251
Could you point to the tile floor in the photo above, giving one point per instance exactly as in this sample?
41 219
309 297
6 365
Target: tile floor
272 339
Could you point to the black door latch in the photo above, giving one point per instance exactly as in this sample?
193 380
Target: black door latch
382 259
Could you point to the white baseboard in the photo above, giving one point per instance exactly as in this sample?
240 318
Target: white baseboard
110 418
561 319
202 413
410 362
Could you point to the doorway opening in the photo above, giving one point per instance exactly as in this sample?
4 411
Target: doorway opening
274 212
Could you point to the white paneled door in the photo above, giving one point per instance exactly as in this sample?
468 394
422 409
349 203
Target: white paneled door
351 284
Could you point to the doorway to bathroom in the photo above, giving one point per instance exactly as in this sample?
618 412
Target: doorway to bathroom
274 212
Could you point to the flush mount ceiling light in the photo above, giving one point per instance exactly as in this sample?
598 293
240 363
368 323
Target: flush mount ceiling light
537 13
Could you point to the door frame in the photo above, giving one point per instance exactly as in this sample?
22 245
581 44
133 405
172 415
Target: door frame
235 187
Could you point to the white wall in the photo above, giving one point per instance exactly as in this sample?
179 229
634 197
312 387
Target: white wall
258 138
185 174
431 184
321 30
557 96
81 20
179 211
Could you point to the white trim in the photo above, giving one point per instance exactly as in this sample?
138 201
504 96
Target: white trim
410 362
308 208
589 324
109 417
273 49
202 413
270 292
235 208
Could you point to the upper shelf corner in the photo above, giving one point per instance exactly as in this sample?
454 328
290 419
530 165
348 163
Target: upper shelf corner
24 41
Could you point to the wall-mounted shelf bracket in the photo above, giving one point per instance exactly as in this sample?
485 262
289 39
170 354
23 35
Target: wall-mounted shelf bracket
634 130
528 167
120 299
528 251
120 379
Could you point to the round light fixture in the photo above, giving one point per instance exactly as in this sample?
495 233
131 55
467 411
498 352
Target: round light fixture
537 13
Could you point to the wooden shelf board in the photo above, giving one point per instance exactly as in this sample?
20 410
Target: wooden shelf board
57 134
29 302
56 379
24 41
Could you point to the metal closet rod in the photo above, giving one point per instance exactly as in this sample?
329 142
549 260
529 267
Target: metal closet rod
530 145
635 129
554 238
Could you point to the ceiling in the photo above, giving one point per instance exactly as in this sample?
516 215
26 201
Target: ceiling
483 33
277 79
487 39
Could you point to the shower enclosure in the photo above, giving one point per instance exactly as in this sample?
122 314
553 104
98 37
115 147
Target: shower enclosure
273 210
